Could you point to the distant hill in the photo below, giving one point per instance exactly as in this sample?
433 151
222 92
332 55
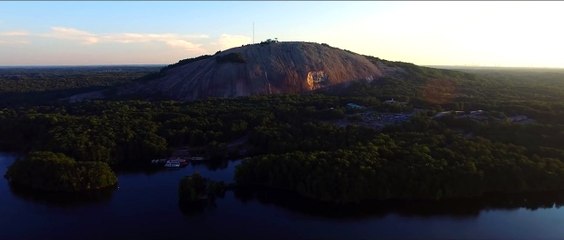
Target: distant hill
270 67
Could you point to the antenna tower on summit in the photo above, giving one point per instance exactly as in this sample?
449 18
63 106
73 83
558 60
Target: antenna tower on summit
253 32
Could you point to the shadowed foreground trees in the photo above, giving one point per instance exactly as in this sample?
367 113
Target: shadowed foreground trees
55 172
195 188
407 165
196 193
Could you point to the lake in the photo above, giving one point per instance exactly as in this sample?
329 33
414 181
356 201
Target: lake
145 206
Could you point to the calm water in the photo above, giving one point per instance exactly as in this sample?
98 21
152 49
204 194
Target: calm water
145 206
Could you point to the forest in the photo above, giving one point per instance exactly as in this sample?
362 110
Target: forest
317 146
29 86
55 172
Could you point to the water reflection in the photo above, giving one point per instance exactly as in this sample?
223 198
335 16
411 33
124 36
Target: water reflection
197 207
454 208
149 169
213 165
163 181
63 200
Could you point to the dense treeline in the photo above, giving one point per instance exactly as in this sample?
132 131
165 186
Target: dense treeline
299 142
55 172
415 161
135 131
113 136
41 85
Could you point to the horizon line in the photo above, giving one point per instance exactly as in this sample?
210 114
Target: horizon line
86 65
165 64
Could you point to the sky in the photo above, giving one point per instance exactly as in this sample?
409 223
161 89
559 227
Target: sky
503 34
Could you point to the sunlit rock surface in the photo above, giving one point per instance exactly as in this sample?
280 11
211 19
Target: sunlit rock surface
267 68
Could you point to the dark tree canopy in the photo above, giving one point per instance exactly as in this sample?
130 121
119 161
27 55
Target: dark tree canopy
316 145
55 172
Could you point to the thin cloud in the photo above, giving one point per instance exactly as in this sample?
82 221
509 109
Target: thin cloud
14 34
72 34
194 43
14 37
173 40
11 42
178 45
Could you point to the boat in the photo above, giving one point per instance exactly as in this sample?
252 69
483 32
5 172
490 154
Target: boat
176 163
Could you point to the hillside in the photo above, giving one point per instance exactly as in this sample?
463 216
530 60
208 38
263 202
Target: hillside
270 67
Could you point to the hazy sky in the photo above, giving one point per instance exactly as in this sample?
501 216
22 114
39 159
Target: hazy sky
425 33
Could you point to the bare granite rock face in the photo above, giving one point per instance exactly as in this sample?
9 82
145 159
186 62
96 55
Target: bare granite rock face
267 68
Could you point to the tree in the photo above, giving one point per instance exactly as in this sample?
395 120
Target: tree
55 172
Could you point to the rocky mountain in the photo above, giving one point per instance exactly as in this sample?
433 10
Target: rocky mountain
267 68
